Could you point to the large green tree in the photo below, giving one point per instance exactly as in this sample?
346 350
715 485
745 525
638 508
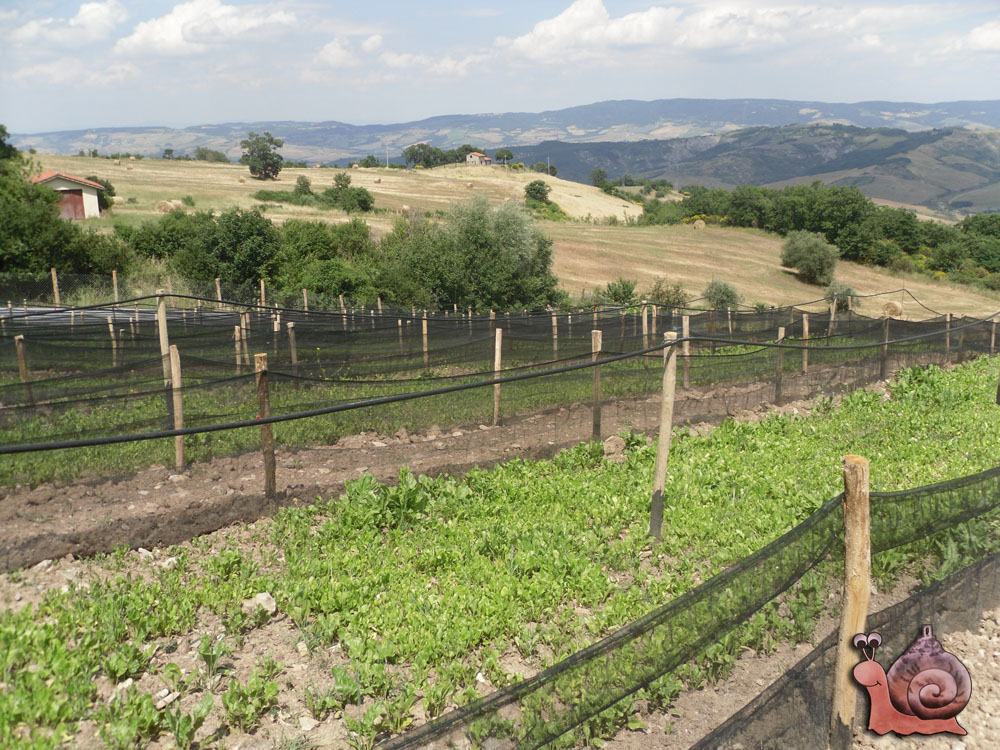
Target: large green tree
260 153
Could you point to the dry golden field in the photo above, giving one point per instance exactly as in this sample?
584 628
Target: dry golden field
587 254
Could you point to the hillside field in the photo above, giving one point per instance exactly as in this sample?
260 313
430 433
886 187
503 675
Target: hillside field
588 253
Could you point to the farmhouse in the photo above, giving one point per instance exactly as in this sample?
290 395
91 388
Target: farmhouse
79 196
474 157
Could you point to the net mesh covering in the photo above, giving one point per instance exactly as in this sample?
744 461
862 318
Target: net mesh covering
538 711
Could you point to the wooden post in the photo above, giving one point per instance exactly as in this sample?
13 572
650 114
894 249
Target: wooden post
595 316
883 366
305 299
805 342
993 336
833 322
645 326
666 427
239 350
275 332
55 287
656 311
218 292
379 301
114 282
245 338
779 366
596 340
114 342
263 298
291 345
399 325
555 338
175 383
686 347
424 334
266 433
857 589
343 310
497 365
161 327
947 333
729 320
22 368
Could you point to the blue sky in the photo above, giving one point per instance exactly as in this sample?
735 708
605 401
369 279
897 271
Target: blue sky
71 65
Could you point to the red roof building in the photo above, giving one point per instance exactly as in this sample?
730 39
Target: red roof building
79 196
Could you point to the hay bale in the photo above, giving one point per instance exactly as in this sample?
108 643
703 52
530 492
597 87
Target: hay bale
131 158
405 209
468 186
164 207
317 166
177 204
118 162
892 309
378 180
117 200
700 224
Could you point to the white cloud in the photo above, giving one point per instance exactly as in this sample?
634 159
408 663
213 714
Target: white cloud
443 66
337 54
75 71
985 38
372 43
93 22
196 26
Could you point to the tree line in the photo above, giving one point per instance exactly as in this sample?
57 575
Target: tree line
862 231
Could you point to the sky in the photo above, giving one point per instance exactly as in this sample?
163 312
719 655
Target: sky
66 65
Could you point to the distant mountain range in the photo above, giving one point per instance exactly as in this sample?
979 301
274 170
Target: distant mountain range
940 155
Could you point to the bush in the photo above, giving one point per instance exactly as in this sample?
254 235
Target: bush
811 255
620 292
537 190
840 294
721 295
668 295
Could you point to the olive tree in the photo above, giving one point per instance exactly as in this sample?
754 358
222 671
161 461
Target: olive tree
260 153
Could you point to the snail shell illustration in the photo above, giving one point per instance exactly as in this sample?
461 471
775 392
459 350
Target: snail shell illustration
927 681
922 692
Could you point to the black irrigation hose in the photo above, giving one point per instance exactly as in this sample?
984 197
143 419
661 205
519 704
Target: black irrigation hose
35 447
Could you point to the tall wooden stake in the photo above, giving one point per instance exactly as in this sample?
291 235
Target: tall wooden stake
596 341
266 433
424 334
55 287
993 336
947 333
857 589
161 327
238 339
779 366
293 350
666 427
175 382
645 326
555 338
22 367
497 365
114 342
114 282
305 299
263 297
805 342
218 292
686 348
833 322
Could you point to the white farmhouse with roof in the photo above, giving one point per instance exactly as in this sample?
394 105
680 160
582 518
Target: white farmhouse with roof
79 196
475 157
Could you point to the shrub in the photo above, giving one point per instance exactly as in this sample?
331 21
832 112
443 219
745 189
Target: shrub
840 294
811 255
537 190
620 292
668 295
721 295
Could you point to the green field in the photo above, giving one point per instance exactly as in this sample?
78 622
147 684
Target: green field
411 599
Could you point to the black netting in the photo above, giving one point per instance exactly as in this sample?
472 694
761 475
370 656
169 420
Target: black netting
537 711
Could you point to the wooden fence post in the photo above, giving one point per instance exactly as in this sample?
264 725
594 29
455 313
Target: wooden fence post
947 333
555 338
379 301
22 367
729 320
266 433
263 298
114 282
293 350
883 366
833 322
645 326
779 366
245 337
238 339
993 336
497 364
175 384
218 292
596 340
805 342
399 325
424 335
857 589
686 348
55 287
161 327
666 428
114 342
655 312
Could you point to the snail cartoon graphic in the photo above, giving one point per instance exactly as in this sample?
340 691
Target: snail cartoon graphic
923 691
